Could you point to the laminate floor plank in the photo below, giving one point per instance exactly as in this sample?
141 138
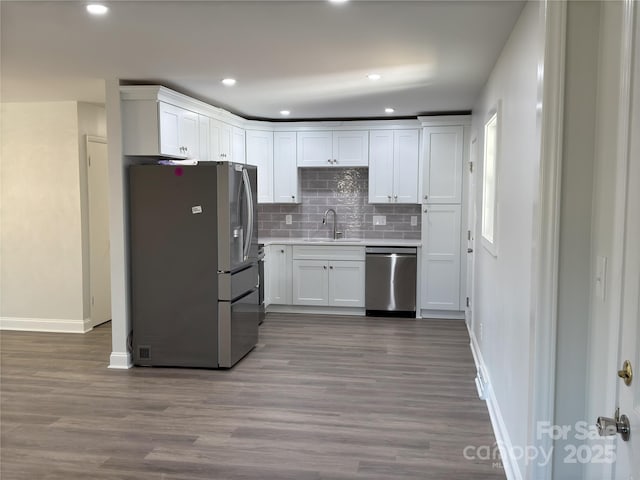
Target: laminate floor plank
319 398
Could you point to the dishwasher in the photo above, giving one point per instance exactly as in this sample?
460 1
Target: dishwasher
390 285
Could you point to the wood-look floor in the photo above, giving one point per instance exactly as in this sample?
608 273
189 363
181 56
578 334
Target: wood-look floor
320 398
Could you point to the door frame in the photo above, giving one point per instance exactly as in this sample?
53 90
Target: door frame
102 140
472 220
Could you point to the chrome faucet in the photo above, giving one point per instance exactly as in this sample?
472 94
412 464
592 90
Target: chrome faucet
324 222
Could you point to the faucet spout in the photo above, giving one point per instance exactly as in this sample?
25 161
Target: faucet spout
324 220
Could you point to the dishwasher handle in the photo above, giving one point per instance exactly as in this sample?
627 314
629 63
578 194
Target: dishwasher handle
390 250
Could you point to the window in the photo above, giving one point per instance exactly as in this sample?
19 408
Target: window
489 182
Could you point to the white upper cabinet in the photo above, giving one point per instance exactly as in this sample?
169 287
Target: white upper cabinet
286 185
443 149
260 154
351 149
393 166
225 134
333 149
238 145
315 149
159 129
204 127
178 131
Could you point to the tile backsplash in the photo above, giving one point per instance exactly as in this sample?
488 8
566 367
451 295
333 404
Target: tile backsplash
346 191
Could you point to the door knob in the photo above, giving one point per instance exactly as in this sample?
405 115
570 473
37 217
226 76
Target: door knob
610 426
626 373
469 250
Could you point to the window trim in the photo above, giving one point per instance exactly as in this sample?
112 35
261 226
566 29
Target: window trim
491 244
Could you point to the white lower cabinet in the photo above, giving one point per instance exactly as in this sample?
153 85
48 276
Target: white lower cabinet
441 257
311 282
337 283
278 274
328 276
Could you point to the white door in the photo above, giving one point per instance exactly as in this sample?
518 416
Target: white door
188 133
169 130
310 282
381 166
351 148
441 257
315 149
471 229
99 252
285 168
443 164
260 154
346 284
627 466
238 153
405 166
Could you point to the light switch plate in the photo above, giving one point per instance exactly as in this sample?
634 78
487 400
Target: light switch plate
288 220
379 220
414 221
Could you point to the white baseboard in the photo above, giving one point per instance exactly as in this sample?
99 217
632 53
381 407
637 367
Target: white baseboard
54 325
120 360
442 314
486 393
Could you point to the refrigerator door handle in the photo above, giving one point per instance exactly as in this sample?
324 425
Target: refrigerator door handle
249 197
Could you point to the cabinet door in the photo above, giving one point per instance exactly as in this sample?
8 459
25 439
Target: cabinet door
346 284
443 164
224 142
315 149
188 133
381 166
310 282
169 128
215 133
441 257
204 136
351 149
260 154
238 145
278 286
285 168
405 166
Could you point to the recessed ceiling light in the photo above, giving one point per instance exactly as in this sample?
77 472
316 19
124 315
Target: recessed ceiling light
389 110
284 112
229 82
338 1
374 76
97 9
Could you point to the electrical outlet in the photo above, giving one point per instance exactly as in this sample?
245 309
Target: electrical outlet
414 221
379 220
288 220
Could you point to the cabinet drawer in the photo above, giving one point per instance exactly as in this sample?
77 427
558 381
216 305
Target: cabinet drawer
322 252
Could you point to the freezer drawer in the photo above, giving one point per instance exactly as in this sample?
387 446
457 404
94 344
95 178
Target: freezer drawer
237 328
390 281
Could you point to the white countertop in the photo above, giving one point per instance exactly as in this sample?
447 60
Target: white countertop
364 242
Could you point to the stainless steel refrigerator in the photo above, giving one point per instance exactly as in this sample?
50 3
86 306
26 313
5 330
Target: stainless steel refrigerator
194 264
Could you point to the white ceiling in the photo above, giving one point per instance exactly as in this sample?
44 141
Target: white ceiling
310 57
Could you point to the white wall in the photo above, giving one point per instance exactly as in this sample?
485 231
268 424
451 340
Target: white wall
502 326
41 219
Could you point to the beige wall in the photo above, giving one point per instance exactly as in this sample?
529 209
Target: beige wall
41 216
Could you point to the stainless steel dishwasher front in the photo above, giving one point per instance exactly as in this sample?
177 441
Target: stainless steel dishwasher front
390 286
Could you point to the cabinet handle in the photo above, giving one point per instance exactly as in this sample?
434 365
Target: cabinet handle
389 197
293 197
329 160
335 161
331 267
426 210
282 251
324 266
426 196
395 198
